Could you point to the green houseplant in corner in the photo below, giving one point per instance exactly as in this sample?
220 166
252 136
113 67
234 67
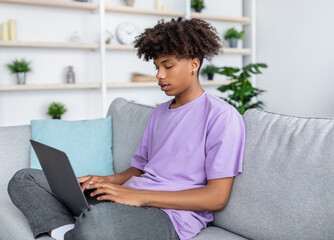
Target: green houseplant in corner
20 67
198 5
233 36
241 91
55 110
210 70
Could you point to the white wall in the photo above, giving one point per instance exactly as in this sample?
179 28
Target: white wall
295 38
49 65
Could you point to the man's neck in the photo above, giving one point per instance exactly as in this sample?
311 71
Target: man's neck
180 100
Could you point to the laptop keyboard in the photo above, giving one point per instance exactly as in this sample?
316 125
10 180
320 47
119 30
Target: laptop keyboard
92 200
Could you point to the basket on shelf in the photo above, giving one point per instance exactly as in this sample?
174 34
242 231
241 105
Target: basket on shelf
138 77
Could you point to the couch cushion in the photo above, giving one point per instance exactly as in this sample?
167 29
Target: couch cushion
87 143
13 224
129 122
286 188
14 150
215 233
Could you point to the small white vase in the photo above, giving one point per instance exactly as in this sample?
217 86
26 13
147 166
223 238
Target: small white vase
129 3
21 77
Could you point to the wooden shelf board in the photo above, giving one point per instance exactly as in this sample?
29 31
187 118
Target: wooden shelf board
29 87
155 84
214 83
55 3
69 45
143 11
242 20
120 47
243 51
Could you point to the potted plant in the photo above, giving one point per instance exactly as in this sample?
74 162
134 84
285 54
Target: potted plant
233 36
20 67
55 110
198 5
241 91
210 70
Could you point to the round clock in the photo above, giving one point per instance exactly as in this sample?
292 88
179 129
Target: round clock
126 33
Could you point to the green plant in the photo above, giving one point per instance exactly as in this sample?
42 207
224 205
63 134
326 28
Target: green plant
241 90
56 109
233 33
209 69
197 4
19 66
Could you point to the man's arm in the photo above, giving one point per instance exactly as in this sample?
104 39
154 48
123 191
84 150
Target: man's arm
122 177
212 197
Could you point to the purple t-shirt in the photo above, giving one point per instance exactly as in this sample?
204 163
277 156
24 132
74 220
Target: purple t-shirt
183 148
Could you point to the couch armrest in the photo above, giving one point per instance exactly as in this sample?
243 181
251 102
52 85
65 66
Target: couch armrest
14 150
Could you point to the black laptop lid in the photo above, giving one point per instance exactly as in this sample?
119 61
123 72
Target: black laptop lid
60 176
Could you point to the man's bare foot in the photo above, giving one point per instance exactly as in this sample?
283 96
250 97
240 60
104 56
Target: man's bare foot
49 233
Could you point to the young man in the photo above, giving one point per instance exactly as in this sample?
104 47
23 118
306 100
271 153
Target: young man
183 168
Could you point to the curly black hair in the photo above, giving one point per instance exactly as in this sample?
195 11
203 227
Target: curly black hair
182 38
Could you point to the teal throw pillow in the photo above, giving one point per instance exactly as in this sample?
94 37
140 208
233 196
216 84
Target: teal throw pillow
87 144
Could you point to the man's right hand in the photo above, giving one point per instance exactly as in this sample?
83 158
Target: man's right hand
86 181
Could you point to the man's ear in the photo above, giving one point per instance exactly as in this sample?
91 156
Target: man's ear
195 63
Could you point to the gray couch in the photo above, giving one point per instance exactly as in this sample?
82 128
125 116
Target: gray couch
285 192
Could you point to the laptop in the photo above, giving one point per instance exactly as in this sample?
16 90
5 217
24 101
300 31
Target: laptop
61 177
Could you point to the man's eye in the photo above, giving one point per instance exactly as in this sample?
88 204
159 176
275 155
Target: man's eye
169 67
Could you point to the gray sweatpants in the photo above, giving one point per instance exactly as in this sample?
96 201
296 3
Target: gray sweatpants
31 193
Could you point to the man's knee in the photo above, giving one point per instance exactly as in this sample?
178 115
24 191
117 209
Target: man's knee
94 223
20 179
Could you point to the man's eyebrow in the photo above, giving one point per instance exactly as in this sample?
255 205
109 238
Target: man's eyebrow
164 61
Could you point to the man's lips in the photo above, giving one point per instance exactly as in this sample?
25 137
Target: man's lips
164 87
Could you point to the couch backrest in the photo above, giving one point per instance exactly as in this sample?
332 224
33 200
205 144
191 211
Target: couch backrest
14 150
129 120
286 190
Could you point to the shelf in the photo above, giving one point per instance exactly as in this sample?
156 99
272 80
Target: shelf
95 46
242 20
155 84
143 11
123 9
93 85
120 47
55 4
243 51
28 87
69 45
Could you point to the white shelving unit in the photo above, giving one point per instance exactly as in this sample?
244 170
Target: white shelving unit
101 8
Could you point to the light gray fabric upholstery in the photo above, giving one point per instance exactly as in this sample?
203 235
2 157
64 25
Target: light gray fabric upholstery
216 233
13 224
14 150
129 120
286 190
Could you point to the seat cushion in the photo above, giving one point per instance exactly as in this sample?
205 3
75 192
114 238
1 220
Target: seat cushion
13 224
216 233
286 188
129 122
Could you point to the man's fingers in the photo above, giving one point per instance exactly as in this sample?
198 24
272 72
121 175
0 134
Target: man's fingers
102 190
101 185
107 197
83 178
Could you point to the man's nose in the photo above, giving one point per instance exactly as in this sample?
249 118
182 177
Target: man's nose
160 74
